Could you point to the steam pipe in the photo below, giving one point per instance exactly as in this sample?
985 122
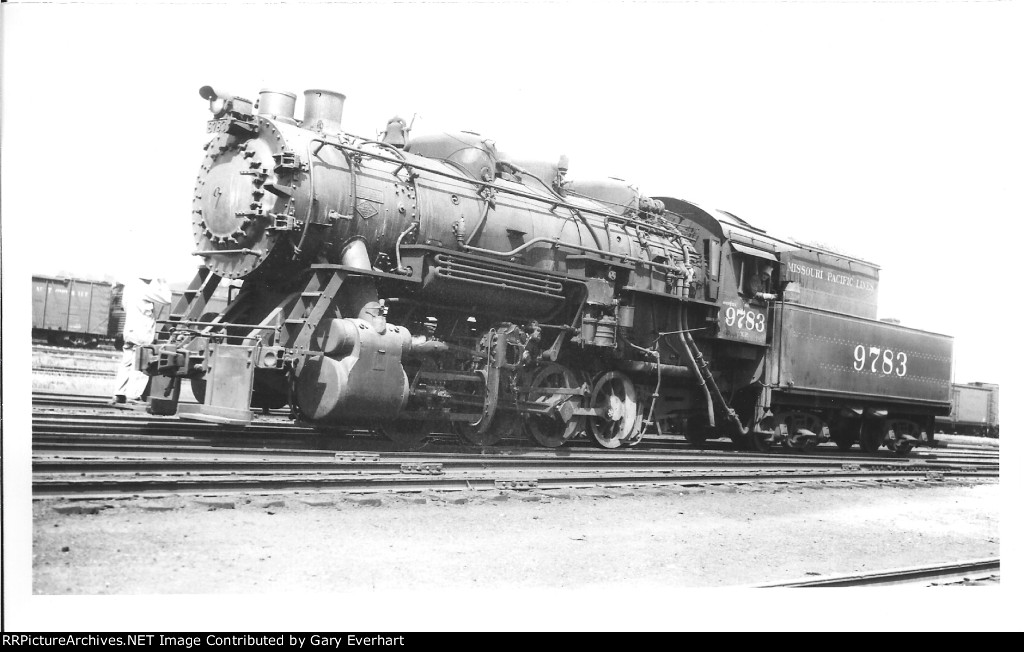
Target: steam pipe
702 365
398 250
437 347
638 367
505 189
555 241
682 320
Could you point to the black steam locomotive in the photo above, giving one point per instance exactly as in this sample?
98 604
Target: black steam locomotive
415 284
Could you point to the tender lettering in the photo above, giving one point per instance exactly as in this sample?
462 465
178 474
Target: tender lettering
831 277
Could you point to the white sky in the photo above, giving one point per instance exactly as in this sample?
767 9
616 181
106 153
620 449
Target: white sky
891 130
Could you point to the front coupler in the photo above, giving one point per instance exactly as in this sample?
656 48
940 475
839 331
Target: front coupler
227 369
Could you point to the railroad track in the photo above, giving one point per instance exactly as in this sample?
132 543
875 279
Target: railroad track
117 453
62 402
162 465
126 432
978 570
77 353
135 484
60 370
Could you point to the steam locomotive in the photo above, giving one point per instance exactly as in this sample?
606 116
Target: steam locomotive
412 284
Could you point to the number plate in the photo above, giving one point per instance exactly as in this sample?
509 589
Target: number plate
217 126
743 321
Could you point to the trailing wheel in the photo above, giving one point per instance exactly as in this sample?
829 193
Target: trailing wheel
694 429
618 410
696 437
755 442
559 389
756 439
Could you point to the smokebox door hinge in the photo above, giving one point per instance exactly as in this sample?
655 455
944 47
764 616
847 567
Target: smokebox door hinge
280 191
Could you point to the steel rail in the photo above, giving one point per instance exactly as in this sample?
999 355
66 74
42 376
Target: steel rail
55 370
345 462
270 439
364 483
56 426
916 574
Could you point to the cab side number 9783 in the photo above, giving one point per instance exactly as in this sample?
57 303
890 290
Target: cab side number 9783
744 319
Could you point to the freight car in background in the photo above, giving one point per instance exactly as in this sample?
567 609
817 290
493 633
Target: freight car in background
975 411
72 312
78 312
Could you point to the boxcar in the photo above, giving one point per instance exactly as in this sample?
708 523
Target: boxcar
70 311
975 410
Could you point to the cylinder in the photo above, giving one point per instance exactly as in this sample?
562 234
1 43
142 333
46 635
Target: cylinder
323 110
277 104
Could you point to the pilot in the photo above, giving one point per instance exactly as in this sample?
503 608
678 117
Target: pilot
759 282
139 329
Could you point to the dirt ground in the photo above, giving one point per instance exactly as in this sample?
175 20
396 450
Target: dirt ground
453 554
668 537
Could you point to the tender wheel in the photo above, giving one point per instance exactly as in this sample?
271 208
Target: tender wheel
901 435
845 435
802 430
614 398
504 424
553 429
407 433
872 431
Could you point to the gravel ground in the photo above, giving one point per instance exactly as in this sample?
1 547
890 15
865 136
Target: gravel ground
592 542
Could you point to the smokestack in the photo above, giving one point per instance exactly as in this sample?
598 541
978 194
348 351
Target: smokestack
323 110
277 104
